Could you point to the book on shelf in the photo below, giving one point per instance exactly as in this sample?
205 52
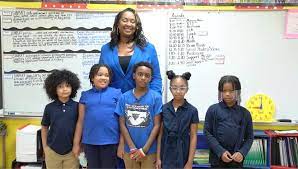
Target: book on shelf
201 157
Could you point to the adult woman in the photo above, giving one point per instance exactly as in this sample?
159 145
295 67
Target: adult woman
127 47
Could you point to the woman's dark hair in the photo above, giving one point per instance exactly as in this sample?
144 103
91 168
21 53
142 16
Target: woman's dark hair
94 69
172 76
146 64
58 77
138 38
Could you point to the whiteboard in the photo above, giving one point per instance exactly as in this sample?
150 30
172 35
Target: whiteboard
35 42
155 29
249 45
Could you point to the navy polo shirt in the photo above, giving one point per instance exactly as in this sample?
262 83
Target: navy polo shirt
228 129
62 119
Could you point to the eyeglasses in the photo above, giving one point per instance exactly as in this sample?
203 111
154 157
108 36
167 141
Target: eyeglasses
182 89
147 75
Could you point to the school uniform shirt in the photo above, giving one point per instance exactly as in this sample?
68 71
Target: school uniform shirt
227 129
124 80
175 140
139 116
100 123
62 119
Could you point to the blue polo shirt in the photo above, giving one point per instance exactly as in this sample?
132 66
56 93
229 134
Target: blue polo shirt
100 122
227 129
139 116
62 119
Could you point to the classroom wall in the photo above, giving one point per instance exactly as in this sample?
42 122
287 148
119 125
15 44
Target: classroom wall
14 123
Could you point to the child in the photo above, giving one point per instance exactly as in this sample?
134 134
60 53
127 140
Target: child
139 110
177 139
228 126
97 122
59 120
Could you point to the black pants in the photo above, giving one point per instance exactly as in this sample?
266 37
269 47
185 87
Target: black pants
101 156
232 164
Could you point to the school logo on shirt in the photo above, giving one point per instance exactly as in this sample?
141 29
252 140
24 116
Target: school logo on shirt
137 115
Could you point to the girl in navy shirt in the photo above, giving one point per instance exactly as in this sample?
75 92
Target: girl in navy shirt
178 134
97 124
228 126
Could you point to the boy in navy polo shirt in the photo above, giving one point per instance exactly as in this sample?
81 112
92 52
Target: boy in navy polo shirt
59 120
139 110
228 126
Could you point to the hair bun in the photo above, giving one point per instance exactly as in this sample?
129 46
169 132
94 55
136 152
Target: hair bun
170 74
186 75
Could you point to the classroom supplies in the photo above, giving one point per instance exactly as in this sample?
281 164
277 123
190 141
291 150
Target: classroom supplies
27 143
284 148
284 120
261 107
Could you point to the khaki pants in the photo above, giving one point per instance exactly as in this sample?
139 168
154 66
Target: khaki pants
57 161
148 162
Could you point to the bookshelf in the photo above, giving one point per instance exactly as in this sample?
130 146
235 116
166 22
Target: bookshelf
261 161
284 149
259 153
201 145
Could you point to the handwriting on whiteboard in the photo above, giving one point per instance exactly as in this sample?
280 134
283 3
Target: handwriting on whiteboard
188 42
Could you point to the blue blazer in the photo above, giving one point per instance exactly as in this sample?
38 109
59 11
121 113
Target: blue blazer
124 80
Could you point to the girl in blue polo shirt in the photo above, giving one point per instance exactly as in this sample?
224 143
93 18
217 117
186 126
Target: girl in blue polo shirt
177 139
97 124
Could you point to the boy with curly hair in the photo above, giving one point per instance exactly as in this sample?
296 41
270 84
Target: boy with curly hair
59 120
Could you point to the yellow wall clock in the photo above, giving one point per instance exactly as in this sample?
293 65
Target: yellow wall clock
261 108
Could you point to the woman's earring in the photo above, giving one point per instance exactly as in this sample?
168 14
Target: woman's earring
118 31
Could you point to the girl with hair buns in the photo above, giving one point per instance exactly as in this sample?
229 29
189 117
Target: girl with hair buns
177 139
